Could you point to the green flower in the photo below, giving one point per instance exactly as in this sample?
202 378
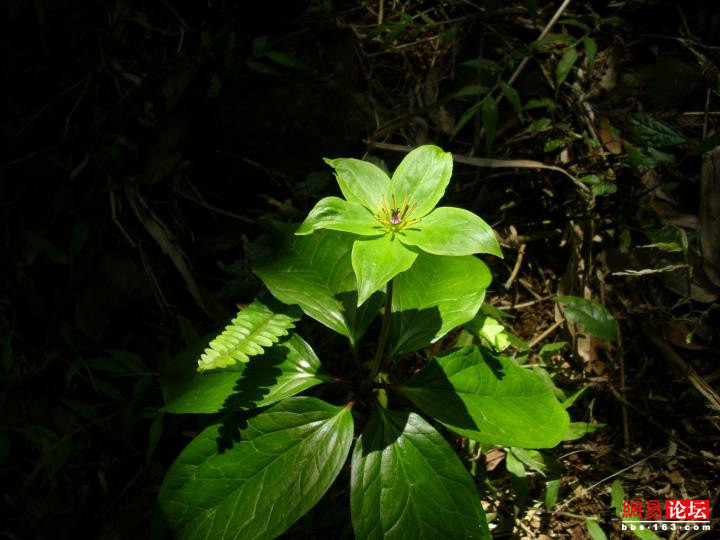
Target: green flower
396 217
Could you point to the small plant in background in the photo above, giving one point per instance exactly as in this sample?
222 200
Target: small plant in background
385 249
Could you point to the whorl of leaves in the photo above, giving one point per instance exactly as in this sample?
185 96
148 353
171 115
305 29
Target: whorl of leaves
254 328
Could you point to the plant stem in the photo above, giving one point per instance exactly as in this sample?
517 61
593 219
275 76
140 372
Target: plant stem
377 361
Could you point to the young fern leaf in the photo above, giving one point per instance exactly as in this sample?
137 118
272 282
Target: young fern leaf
254 328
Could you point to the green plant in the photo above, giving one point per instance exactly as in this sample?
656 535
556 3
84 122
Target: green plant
269 460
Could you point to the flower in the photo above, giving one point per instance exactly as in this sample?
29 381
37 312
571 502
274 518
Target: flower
393 218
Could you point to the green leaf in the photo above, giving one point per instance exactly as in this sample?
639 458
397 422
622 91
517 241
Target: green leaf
254 328
593 317
254 481
154 434
482 63
433 297
422 177
315 272
452 231
596 533
599 186
489 122
465 118
376 261
541 124
471 90
360 181
340 215
549 350
617 496
407 482
564 66
577 430
512 96
286 369
490 332
590 52
489 399
650 131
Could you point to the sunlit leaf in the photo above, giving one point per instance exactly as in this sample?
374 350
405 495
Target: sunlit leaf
255 480
407 482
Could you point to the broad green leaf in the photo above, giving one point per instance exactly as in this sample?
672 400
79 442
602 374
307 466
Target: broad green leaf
254 481
407 482
286 369
452 231
564 66
592 316
590 52
255 327
577 430
489 399
650 131
433 297
422 177
512 96
360 181
489 122
340 215
315 272
596 533
518 480
376 261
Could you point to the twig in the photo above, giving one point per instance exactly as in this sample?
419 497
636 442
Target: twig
667 352
610 477
516 268
546 333
544 33
490 162
646 418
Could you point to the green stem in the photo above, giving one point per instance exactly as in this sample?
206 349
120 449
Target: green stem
377 361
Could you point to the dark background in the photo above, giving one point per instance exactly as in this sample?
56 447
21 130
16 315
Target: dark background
143 141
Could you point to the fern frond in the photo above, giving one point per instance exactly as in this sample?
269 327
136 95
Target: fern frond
254 328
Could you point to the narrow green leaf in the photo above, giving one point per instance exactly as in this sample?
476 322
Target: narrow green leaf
340 215
465 118
407 482
482 63
590 52
592 316
518 479
154 434
254 328
577 430
596 533
360 181
315 272
422 177
565 65
254 481
489 122
512 96
436 295
376 261
489 399
286 369
617 496
471 90
452 231
649 131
